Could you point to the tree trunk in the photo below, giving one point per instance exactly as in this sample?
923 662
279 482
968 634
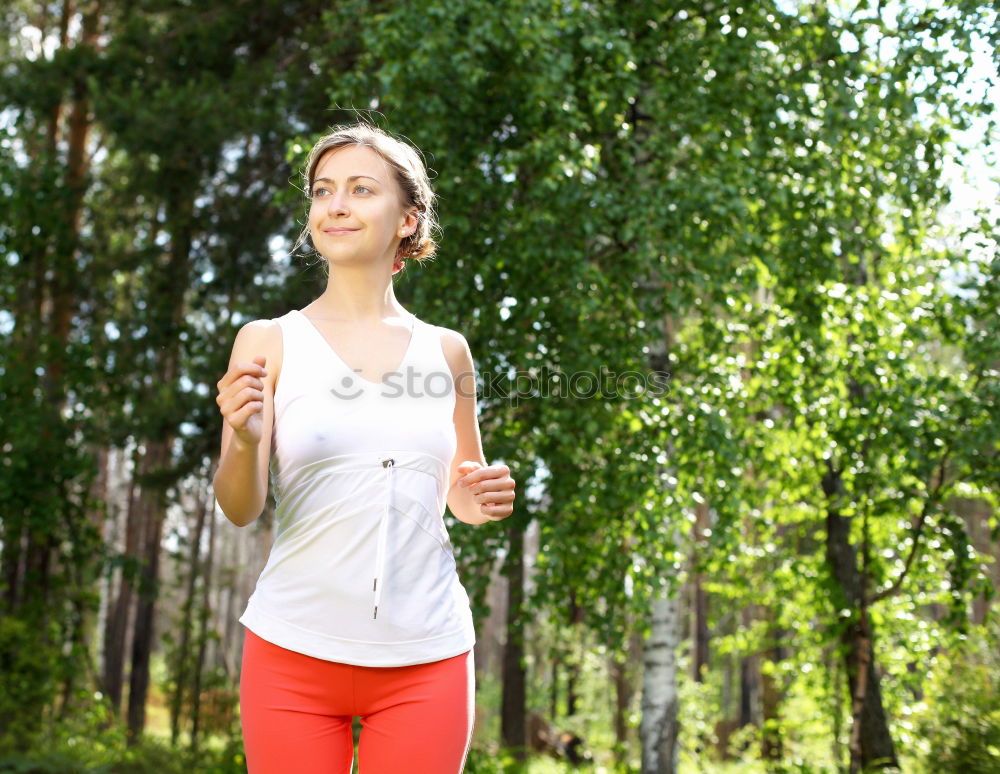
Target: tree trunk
660 726
622 671
187 621
166 323
11 558
554 688
772 744
142 637
81 631
513 730
573 665
117 624
874 746
56 298
748 677
203 619
618 668
699 599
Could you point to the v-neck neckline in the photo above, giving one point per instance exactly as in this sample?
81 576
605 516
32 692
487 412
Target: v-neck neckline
339 359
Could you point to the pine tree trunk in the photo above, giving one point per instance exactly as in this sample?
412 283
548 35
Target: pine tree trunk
187 621
203 620
166 316
513 729
116 632
142 637
81 633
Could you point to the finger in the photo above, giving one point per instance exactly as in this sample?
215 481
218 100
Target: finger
249 380
472 478
237 416
466 468
251 408
245 382
255 368
238 419
242 369
496 512
493 485
486 472
248 394
494 497
235 372
233 403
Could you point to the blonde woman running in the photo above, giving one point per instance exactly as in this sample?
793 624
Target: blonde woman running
364 418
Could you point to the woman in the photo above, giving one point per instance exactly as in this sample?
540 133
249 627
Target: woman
365 418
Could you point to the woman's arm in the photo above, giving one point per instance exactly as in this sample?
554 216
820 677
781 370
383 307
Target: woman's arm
240 481
489 495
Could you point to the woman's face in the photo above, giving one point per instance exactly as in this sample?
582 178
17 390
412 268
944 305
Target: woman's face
357 212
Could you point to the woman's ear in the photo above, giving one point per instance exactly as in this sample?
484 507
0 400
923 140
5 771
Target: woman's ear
410 224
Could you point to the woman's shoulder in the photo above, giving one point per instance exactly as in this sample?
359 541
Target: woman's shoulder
455 348
265 331
262 337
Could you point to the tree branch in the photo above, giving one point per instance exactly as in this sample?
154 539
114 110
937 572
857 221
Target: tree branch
918 528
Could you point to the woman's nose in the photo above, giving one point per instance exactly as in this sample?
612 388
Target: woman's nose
337 202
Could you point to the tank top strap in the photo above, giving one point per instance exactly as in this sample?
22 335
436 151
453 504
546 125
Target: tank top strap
426 346
293 337
418 342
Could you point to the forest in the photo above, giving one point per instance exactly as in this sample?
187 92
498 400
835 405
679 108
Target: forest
735 336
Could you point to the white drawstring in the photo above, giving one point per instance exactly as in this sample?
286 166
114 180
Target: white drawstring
389 465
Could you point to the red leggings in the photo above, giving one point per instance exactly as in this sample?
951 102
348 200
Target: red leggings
297 713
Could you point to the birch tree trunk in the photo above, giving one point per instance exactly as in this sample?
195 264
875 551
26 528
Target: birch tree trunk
660 726
658 730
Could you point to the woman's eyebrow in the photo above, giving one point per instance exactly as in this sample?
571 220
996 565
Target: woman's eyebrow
352 177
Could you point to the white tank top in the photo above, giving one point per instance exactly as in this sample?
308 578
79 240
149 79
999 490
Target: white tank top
362 569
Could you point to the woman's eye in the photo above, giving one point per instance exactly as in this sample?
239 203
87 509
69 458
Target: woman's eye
325 191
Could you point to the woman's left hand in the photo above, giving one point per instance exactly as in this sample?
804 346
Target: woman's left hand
491 487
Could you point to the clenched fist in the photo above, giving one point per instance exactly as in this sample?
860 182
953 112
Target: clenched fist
241 399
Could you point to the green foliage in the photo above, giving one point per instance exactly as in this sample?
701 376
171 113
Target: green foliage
737 170
485 761
29 668
959 720
90 742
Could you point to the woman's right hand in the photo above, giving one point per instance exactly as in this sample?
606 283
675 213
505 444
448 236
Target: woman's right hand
241 399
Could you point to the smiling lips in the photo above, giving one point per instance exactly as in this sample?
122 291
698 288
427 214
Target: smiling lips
336 231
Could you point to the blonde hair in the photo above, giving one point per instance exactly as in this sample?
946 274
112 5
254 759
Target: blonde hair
410 172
